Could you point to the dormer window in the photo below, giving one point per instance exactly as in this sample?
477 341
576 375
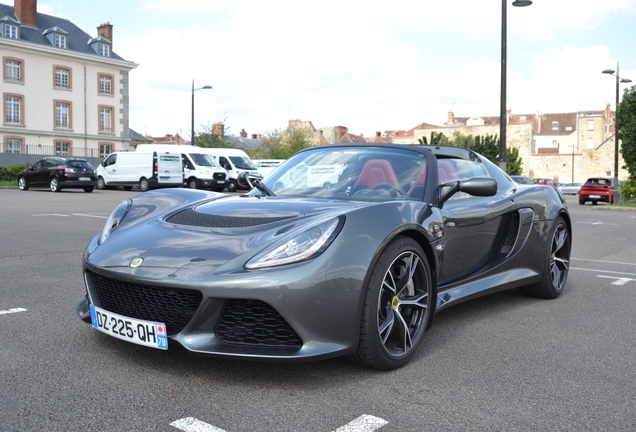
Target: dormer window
11 31
59 41
103 50
9 28
57 37
101 46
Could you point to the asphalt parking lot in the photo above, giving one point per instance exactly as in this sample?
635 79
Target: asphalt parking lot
503 362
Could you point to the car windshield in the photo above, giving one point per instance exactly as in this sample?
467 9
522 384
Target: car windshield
241 162
367 174
79 164
202 159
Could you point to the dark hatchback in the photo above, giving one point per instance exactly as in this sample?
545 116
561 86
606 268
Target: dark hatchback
59 173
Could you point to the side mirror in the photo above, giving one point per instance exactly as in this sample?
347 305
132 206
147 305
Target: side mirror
227 167
31 168
476 186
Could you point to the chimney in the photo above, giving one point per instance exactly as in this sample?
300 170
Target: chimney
243 134
106 31
293 123
218 129
451 117
608 115
378 134
254 136
342 131
26 11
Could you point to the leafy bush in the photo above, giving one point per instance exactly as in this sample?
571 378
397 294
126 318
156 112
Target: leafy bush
11 173
628 189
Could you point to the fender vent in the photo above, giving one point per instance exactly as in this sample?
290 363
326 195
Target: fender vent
190 217
511 237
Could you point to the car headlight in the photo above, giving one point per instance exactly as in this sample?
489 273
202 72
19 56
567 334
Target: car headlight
114 220
307 244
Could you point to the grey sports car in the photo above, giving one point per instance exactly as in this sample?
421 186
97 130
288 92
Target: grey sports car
344 250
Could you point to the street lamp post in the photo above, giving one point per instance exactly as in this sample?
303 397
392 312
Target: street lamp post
618 81
503 118
207 87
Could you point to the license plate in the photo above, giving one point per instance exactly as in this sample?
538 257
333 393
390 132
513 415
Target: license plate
146 333
85 179
594 196
220 182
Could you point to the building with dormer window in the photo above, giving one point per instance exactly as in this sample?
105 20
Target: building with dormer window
64 92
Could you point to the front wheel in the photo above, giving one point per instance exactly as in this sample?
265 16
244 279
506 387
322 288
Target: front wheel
22 184
232 186
556 264
193 183
398 306
55 185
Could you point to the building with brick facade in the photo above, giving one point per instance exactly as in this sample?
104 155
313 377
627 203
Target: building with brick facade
63 92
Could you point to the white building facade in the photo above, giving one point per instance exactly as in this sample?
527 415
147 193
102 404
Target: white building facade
63 92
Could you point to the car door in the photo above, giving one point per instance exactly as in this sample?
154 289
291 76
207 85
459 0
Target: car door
471 223
34 175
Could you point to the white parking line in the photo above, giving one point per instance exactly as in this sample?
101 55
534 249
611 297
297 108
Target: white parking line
601 261
190 424
603 271
51 214
10 311
364 423
88 215
618 280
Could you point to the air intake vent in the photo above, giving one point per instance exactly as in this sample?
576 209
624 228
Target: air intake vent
190 217
511 237
254 322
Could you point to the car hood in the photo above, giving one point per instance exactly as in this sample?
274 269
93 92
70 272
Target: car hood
192 239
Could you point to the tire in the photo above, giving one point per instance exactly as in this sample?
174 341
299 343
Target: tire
556 264
232 186
127 188
143 184
388 310
101 184
582 202
54 184
193 183
22 184
89 189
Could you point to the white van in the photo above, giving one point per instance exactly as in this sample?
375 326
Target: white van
266 166
148 170
200 169
234 161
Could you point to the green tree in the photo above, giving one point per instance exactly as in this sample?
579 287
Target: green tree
513 161
437 138
282 144
626 118
208 138
488 146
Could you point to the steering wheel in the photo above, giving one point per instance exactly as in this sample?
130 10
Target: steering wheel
393 186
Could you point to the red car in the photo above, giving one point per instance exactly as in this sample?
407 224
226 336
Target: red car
597 189
545 181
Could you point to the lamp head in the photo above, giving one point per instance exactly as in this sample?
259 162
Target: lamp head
206 87
609 71
625 80
520 3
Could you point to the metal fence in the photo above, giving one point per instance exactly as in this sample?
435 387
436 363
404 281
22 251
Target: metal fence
46 150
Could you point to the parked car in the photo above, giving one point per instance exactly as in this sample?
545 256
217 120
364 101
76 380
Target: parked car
296 269
571 188
597 189
59 173
545 181
521 179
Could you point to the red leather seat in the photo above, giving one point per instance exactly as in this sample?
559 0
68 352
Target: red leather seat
375 172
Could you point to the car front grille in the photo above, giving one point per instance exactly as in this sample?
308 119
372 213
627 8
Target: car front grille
173 307
253 322
219 176
190 217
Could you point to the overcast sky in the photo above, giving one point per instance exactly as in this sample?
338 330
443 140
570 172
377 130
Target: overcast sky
364 64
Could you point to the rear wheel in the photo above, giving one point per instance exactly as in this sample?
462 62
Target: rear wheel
143 184
232 186
556 265
89 189
101 184
55 185
398 306
582 202
22 184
